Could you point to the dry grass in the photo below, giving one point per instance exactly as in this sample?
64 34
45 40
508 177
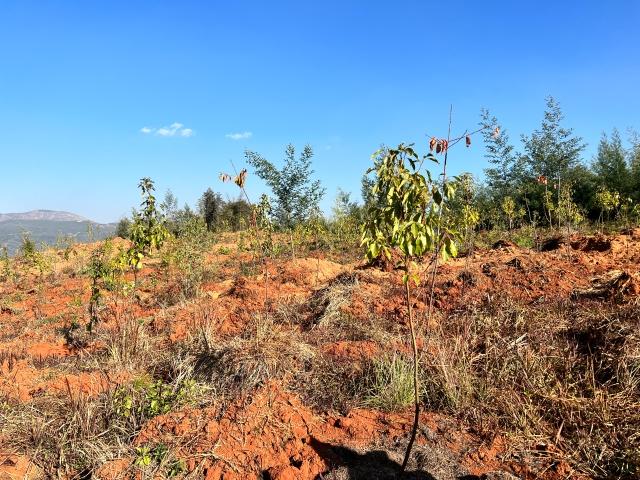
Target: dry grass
327 302
265 350
71 435
67 435
390 380
567 375
129 345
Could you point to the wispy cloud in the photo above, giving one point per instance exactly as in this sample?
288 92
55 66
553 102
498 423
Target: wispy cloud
174 130
239 135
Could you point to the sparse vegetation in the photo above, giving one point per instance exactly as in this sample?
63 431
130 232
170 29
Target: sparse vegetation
254 330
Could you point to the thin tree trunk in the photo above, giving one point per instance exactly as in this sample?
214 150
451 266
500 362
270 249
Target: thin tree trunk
416 396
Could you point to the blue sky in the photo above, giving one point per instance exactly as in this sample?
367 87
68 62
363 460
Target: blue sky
79 80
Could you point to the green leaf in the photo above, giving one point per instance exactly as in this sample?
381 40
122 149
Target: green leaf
453 248
437 196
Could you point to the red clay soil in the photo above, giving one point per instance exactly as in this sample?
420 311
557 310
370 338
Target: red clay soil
271 430
528 276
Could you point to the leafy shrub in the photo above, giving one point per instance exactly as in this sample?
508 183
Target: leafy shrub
123 229
7 272
145 398
31 256
158 457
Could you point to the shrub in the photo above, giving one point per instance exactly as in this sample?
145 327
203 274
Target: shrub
123 228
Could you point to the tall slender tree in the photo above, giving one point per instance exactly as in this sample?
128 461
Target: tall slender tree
505 172
634 164
552 150
296 195
210 205
610 164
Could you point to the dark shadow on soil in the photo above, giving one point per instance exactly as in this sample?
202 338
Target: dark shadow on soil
374 465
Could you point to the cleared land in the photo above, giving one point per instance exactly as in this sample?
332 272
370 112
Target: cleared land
531 367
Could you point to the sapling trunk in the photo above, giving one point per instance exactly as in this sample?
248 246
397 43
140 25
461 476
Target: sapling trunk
416 396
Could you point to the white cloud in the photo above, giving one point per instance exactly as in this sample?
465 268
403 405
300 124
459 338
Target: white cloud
239 135
175 129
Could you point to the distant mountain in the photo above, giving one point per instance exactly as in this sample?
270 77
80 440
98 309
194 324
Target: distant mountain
49 227
51 215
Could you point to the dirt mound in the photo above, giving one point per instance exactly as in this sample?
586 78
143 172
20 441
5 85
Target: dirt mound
310 271
552 243
530 276
265 433
592 244
271 433
352 350
612 285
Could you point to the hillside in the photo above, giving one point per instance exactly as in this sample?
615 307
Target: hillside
48 226
530 367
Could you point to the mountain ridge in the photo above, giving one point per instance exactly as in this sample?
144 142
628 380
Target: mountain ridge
44 215
49 227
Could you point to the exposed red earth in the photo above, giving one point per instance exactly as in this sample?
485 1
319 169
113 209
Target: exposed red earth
269 431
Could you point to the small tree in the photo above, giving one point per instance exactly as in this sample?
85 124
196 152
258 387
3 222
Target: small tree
610 164
346 217
169 205
465 209
123 228
296 195
170 211
210 205
552 150
568 212
507 167
101 272
236 214
147 231
607 201
508 206
411 221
